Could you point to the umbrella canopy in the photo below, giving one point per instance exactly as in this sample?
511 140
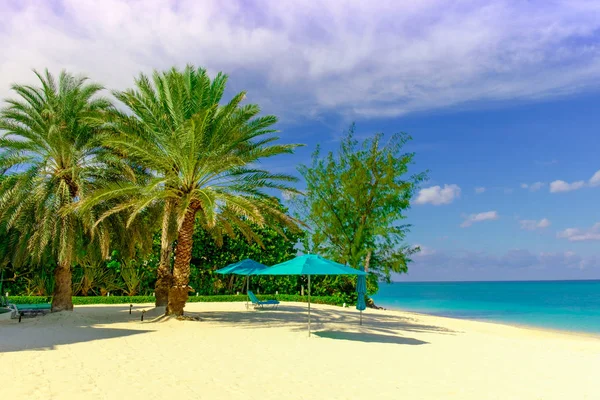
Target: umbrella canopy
245 267
310 264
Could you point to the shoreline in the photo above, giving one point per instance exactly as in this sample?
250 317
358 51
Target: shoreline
595 335
498 322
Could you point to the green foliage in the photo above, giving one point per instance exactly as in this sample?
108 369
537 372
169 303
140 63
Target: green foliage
355 200
203 155
41 283
275 244
132 277
52 155
336 301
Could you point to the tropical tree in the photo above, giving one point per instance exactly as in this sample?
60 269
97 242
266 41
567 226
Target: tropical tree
158 107
203 162
52 157
355 201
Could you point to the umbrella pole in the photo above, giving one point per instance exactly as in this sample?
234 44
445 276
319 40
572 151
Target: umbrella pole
360 317
308 305
247 289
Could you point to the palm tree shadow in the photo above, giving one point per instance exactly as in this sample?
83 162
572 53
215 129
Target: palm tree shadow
369 337
31 340
38 334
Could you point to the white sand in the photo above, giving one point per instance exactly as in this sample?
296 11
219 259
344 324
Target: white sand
102 352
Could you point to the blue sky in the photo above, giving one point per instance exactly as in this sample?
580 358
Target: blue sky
485 157
498 96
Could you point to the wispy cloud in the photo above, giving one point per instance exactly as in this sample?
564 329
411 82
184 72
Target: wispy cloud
595 179
384 58
562 186
533 187
479 190
438 264
532 224
484 216
580 235
438 195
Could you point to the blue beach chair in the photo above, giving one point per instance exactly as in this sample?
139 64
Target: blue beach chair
261 304
24 310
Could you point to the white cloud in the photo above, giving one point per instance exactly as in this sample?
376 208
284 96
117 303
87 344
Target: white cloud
479 190
384 58
531 224
437 195
287 195
484 216
562 186
544 223
534 187
595 179
580 235
516 264
508 190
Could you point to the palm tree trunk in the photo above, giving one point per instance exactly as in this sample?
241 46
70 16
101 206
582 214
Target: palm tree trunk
61 299
164 277
367 261
178 294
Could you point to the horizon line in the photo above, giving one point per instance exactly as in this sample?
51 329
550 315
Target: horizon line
512 280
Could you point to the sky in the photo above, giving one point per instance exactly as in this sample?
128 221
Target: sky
501 98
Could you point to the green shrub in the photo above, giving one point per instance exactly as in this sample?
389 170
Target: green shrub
83 300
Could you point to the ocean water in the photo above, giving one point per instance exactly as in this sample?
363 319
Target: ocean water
564 305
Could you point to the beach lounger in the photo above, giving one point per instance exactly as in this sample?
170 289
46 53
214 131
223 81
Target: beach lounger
20 310
261 304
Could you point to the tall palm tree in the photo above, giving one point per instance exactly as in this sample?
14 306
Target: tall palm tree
51 139
203 158
159 107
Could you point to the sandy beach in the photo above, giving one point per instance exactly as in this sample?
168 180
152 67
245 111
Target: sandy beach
103 352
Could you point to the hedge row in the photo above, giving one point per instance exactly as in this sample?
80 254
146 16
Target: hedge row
80 300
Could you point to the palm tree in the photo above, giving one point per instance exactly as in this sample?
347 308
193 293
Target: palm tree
52 158
159 108
203 158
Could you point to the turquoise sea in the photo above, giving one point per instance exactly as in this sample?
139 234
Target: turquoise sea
564 305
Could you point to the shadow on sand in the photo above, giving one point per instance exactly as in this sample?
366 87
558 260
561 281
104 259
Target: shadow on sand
46 332
369 337
32 340
337 324
295 318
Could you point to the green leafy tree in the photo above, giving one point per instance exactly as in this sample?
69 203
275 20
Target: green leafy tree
355 201
206 168
273 244
51 158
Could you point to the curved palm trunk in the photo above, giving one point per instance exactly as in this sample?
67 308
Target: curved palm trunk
164 277
178 294
368 261
61 299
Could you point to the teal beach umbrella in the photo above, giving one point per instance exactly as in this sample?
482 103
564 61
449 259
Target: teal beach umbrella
310 264
361 290
246 268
